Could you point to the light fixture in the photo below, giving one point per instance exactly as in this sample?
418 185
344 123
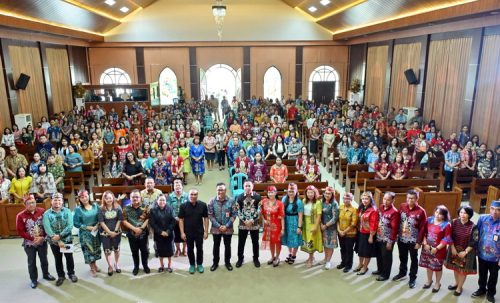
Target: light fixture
219 12
110 2
124 9
312 9
325 2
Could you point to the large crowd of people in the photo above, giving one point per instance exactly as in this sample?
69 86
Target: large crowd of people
163 147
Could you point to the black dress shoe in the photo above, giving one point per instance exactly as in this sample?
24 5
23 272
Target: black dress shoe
135 271
376 272
490 298
435 290
49 277
478 293
239 263
399 277
346 269
147 270
412 284
229 266
34 284
73 278
214 267
456 293
256 262
452 287
381 279
60 281
340 266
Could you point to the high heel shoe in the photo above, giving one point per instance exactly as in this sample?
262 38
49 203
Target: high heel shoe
110 271
270 261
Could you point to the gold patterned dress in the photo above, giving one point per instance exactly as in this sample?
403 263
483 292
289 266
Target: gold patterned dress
313 241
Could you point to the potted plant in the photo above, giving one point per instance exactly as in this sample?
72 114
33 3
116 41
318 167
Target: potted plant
355 88
79 92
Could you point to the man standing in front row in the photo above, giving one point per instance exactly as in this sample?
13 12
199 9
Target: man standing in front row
58 224
135 219
387 235
221 212
29 225
248 206
410 236
488 227
193 223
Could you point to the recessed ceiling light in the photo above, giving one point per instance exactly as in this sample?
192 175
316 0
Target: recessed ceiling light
312 9
325 2
124 9
110 2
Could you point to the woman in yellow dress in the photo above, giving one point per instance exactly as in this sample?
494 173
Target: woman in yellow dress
20 185
184 153
311 232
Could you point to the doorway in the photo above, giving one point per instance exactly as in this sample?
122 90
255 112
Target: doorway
323 92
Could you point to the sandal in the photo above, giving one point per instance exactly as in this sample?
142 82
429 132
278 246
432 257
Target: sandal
93 273
169 270
292 260
177 253
288 258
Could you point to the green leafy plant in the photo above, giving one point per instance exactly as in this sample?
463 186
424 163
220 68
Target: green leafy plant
355 86
79 90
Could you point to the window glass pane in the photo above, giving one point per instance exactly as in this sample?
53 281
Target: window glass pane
272 83
168 87
324 73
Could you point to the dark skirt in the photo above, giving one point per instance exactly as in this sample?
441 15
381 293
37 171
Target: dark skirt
209 156
164 246
365 249
313 146
467 266
110 244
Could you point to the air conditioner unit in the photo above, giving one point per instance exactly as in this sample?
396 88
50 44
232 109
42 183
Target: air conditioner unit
410 113
23 120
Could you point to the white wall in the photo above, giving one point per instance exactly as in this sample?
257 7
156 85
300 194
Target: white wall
192 20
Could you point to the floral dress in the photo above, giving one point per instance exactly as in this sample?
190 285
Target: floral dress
313 241
329 216
90 244
272 215
436 234
290 238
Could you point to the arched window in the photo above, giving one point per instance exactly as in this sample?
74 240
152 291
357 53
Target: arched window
115 75
220 80
328 74
168 86
272 83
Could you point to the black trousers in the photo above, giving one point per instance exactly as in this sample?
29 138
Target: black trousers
384 260
191 241
58 256
242 239
227 248
448 180
139 245
485 282
405 249
31 252
221 157
347 250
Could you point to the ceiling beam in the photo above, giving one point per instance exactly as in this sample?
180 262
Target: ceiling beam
19 23
454 12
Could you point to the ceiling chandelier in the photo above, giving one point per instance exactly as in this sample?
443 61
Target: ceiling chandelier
219 12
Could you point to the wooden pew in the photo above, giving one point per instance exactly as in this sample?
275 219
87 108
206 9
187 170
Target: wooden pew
463 179
479 193
359 180
8 213
342 169
77 178
97 191
493 195
337 164
351 173
291 169
392 185
113 181
296 178
286 162
428 200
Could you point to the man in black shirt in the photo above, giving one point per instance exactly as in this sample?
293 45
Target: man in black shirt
193 224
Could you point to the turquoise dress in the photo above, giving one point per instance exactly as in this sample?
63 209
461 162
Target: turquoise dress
72 159
91 246
292 210
197 151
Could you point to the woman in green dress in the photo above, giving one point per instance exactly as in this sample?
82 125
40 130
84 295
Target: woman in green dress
184 153
311 232
85 219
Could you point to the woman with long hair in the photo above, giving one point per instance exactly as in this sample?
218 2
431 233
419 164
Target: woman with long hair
184 153
273 216
197 154
85 219
311 232
132 170
257 172
110 217
329 218
294 212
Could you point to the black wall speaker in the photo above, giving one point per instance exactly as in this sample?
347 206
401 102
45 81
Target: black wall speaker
411 77
22 82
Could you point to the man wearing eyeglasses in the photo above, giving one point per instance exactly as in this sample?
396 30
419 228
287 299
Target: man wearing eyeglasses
13 161
29 225
193 223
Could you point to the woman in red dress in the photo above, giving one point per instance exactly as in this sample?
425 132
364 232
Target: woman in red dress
122 149
176 163
399 170
382 167
273 215
434 245
242 162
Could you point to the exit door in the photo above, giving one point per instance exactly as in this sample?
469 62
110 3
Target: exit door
323 92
